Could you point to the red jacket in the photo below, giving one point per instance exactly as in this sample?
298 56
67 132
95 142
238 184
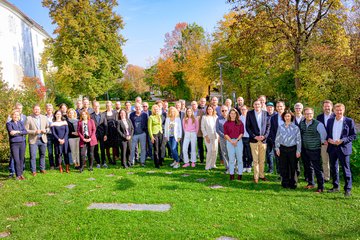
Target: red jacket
92 133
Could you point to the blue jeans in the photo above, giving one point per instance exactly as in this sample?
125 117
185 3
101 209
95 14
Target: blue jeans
270 156
173 147
235 152
41 146
136 139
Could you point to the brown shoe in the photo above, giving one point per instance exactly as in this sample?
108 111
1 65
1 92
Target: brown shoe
264 179
319 191
232 177
256 181
22 177
43 171
239 177
67 168
34 174
61 169
309 186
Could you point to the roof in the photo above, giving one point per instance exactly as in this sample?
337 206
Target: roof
26 18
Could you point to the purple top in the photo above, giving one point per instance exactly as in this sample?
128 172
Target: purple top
233 130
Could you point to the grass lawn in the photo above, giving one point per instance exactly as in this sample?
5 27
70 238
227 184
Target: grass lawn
240 210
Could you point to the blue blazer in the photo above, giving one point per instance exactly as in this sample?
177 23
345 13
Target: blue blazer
19 126
321 118
274 124
253 129
348 135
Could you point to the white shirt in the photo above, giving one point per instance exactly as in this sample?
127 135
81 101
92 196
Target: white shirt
298 119
258 116
337 128
243 120
326 118
280 121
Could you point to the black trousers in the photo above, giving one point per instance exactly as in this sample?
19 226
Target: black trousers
247 157
125 147
101 145
200 144
90 150
312 163
288 166
158 145
18 155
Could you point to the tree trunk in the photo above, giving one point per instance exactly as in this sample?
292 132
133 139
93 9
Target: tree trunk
297 61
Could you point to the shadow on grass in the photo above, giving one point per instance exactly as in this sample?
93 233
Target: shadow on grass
347 233
124 184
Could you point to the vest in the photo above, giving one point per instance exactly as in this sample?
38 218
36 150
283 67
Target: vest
310 136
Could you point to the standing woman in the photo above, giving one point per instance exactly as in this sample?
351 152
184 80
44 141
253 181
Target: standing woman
17 133
125 130
112 137
156 134
208 128
173 133
233 132
288 148
191 127
60 131
87 133
74 137
247 157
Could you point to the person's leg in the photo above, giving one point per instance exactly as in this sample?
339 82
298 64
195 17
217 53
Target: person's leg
193 139
15 152
96 153
102 151
305 156
255 155
284 167
316 163
214 152
157 150
231 154
224 156
239 157
186 147
262 156
11 166
345 165
142 140
200 144
42 152
91 159
293 168
174 149
134 143
50 150
270 157
208 155
33 152
83 157
325 162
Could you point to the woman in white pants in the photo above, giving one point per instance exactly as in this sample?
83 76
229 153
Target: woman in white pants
208 128
191 127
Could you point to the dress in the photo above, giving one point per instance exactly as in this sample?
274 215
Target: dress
112 138
61 132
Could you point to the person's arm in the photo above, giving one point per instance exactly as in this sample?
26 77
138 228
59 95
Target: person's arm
120 130
27 126
79 130
352 132
277 139
93 133
298 141
217 128
66 131
22 129
203 127
179 126
131 128
322 131
196 125
54 133
166 129
248 127
268 128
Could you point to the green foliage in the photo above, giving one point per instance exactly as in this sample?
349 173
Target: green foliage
62 98
355 157
87 48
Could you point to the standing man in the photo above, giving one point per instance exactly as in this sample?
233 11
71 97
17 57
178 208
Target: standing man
313 134
324 118
228 103
275 121
269 145
258 128
128 108
50 137
239 104
247 157
202 104
298 109
341 132
86 106
262 99
118 106
79 106
214 103
37 127
220 121
139 121
101 134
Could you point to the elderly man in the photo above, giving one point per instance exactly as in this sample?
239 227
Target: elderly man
220 121
341 133
202 104
313 134
324 118
37 127
298 109
139 121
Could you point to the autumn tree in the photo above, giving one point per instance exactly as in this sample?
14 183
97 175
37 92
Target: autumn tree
135 75
293 20
87 48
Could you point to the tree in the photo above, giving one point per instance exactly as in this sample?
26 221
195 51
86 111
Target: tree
135 75
293 20
87 48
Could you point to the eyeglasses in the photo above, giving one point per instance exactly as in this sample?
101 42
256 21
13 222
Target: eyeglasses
223 110
145 106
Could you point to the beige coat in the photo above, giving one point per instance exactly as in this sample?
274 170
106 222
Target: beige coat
31 127
208 127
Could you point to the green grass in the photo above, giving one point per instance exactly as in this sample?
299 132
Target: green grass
242 209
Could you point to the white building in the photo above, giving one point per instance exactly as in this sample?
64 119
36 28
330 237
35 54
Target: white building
21 43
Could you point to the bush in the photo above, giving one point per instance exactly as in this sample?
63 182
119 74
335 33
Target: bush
61 98
355 157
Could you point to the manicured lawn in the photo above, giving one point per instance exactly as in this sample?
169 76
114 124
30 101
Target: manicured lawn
241 210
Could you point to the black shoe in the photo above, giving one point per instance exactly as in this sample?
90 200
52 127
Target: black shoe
91 169
347 193
11 175
333 190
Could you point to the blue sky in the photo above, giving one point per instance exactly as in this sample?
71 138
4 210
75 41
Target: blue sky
146 21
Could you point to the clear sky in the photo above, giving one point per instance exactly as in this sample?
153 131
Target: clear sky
146 21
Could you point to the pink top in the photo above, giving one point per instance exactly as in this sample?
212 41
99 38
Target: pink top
233 130
190 126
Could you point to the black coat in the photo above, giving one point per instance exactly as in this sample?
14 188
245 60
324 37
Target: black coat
122 130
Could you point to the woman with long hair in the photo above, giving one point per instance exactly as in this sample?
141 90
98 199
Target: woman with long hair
191 127
60 131
125 130
173 133
208 128
156 134
233 132
87 133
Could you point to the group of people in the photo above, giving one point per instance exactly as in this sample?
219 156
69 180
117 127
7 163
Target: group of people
242 138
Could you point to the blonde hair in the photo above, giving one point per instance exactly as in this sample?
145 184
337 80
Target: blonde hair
171 110
192 115
153 109
339 105
72 110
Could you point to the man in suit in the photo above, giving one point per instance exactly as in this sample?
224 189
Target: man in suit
258 128
313 134
275 121
341 132
37 127
324 118
101 134
298 109
86 106
139 121
239 104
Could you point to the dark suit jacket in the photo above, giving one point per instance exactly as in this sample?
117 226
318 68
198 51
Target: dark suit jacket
348 135
274 124
101 127
19 126
302 119
321 118
253 129
122 130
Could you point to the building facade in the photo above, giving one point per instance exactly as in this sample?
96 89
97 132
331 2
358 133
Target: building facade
21 45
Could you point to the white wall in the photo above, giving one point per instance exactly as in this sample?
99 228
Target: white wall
20 47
